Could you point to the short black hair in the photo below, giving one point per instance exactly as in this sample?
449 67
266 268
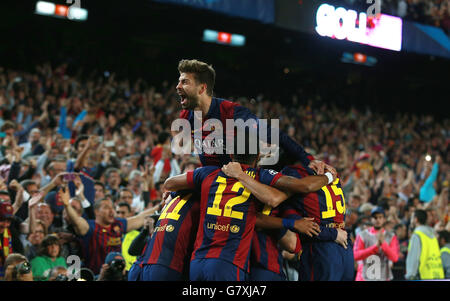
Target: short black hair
399 225
248 155
100 183
4 192
79 139
26 183
163 136
421 216
445 235
124 204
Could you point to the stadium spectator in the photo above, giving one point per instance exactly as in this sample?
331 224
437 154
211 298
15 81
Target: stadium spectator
424 258
123 210
380 156
9 231
17 268
444 244
376 246
47 258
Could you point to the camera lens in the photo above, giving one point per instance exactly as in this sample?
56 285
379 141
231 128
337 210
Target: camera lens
23 268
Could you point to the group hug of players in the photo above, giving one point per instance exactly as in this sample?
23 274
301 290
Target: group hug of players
230 220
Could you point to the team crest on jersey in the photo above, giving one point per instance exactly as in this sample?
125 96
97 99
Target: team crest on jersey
234 229
116 229
272 172
170 228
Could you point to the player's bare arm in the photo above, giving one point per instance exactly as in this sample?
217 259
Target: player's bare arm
305 225
175 183
288 242
266 194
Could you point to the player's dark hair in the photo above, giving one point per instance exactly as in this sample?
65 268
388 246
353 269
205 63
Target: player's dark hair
203 73
421 216
248 155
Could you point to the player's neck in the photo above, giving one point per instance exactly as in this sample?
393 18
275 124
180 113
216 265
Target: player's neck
204 105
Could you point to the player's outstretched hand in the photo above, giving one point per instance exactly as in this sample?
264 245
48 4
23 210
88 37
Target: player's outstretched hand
307 226
341 238
232 169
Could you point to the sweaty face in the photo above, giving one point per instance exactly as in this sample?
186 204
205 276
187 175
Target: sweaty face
188 90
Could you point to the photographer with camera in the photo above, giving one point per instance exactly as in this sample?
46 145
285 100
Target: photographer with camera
17 268
114 268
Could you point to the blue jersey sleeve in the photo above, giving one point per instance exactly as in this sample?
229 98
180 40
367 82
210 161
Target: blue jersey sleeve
289 145
89 233
269 176
196 177
123 224
288 171
327 234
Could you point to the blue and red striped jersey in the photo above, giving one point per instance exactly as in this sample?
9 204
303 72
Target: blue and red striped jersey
172 241
99 241
326 205
265 250
227 213
221 110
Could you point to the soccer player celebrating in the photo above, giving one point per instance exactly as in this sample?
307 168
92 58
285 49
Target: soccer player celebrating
166 255
228 215
326 260
195 88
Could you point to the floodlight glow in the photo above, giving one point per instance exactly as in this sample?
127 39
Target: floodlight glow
78 14
225 38
45 8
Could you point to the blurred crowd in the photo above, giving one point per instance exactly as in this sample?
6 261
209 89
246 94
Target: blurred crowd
431 12
117 133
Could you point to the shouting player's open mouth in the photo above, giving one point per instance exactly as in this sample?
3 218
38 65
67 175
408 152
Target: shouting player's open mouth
183 98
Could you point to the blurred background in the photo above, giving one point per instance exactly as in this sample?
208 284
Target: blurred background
282 50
